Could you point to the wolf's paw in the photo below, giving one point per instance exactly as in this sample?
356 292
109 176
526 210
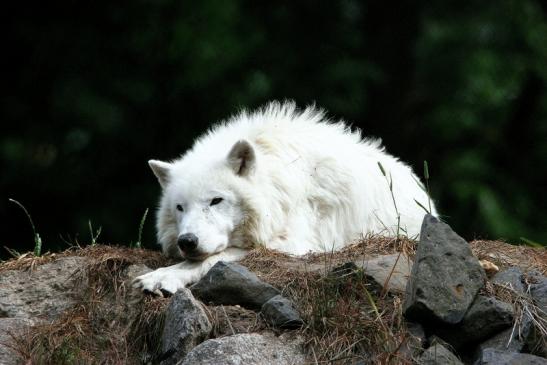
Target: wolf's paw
162 282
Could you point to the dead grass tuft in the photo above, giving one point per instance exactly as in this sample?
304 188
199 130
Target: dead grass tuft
27 261
111 324
346 318
232 319
506 255
63 341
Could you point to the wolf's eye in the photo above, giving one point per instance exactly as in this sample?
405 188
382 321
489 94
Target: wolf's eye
179 208
215 201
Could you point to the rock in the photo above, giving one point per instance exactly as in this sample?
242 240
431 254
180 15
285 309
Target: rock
497 357
511 278
396 267
132 271
281 312
248 349
509 340
445 277
486 317
186 325
45 291
230 283
437 354
10 328
538 290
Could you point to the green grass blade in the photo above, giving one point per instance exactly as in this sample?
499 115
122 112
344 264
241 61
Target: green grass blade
381 168
141 226
531 243
37 239
421 206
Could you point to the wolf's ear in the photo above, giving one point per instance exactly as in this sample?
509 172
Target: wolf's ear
161 170
242 158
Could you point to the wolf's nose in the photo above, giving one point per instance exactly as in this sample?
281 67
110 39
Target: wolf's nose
188 242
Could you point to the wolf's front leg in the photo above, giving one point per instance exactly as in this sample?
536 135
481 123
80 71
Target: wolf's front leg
172 278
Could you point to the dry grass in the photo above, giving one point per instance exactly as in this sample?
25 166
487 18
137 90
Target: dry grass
230 320
506 255
111 324
28 261
347 320
347 317
101 253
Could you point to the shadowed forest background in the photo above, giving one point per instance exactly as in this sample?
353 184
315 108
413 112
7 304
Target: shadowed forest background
92 90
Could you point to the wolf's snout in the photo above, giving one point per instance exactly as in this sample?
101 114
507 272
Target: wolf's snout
188 242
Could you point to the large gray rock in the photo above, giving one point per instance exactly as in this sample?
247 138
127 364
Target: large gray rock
230 283
445 277
392 269
281 312
437 354
186 325
45 291
497 357
10 329
511 278
247 349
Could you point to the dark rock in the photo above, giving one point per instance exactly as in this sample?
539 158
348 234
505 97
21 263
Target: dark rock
511 340
486 317
230 283
437 354
186 325
10 329
46 291
511 278
445 277
538 290
391 269
497 357
248 349
281 312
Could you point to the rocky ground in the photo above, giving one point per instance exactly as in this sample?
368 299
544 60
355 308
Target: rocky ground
379 301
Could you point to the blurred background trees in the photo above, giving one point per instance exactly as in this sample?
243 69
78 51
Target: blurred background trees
92 90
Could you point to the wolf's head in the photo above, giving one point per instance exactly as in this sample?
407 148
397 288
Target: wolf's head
202 205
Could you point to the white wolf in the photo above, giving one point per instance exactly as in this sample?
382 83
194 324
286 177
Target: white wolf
283 178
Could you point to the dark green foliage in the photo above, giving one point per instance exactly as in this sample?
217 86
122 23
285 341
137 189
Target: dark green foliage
93 90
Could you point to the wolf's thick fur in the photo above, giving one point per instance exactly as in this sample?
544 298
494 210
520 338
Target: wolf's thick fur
286 179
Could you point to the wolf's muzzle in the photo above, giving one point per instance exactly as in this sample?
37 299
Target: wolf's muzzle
187 242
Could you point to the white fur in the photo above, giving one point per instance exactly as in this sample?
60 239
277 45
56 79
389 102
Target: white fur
290 180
